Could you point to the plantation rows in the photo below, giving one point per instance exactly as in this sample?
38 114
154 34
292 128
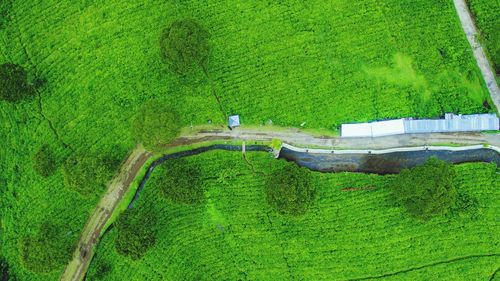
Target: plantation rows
234 234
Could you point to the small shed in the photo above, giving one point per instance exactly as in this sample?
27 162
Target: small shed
234 121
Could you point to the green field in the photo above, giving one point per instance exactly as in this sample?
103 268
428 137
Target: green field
318 62
234 234
487 20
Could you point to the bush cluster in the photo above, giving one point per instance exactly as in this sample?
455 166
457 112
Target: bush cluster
44 161
14 84
290 190
427 190
185 44
181 182
136 233
47 250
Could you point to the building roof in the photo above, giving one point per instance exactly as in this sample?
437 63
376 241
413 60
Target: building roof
234 121
451 123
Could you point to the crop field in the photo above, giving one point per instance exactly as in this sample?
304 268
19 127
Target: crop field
346 234
318 62
487 20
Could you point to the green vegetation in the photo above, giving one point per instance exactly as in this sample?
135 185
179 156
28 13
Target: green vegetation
487 20
5 271
184 45
235 234
289 190
44 161
14 83
136 233
180 181
47 250
156 125
427 190
88 174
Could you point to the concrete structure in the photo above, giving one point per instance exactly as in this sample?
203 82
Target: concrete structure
451 123
234 121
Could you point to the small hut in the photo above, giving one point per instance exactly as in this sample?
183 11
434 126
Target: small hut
234 121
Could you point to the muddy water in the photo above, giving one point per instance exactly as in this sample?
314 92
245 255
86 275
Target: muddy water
388 163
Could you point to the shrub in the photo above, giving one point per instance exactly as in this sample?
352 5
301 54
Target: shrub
184 44
136 233
181 182
427 190
88 174
290 190
47 250
44 161
5 274
14 83
156 125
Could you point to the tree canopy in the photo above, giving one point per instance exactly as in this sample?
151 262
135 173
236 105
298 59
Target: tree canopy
44 161
47 250
14 84
185 44
136 233
88 174
156 125
427 190
290 190
180 181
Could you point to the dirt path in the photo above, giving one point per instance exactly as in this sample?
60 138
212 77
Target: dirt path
482 61
299 138
118 186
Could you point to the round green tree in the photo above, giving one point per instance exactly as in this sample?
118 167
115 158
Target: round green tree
426 190
156 125
88 174
47 250
290 190
44 161
14 84
185 44
180 181
136 233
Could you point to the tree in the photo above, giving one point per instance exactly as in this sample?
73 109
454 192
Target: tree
136 233
47 250
5 274
427 190
88 174
290 190
156 125
44 161
185 44
180 181
14 84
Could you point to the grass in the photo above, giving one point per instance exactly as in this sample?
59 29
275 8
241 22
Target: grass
320 62
234 234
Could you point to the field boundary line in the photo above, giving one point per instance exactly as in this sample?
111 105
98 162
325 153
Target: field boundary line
424 266
482 61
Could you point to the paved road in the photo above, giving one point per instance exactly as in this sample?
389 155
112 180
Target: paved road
298 138
76 269
482 61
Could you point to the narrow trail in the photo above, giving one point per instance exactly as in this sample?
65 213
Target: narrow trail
423 266
472 34
119 185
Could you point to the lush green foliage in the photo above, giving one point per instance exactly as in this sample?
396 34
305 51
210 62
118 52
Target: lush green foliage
46 251
136 233
236 235
180 181
44 161
5 274
184 45
486 15
156 125
14 83
88 174
427 190
289 190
